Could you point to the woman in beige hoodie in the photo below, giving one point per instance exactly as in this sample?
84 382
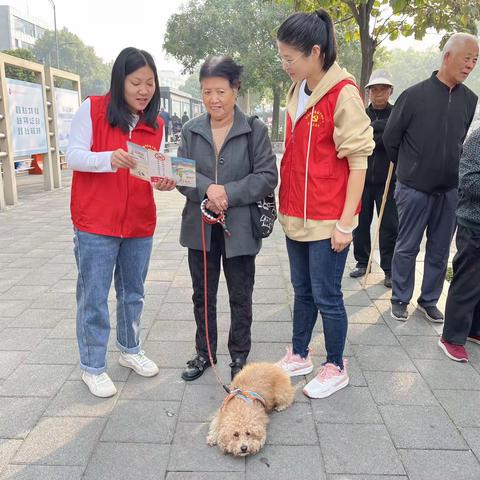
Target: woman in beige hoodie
328 140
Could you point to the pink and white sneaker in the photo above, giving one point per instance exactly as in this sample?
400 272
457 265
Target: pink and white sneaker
329 380
294 364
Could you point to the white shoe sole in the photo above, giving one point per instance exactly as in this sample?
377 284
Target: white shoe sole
327 394
445 351
100 395
138 371
299 373
433 320
400 319
473 340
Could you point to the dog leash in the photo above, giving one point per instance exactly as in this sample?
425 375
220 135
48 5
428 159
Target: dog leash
210 218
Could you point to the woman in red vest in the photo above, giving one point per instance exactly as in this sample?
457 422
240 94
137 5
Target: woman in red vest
114 214
328 139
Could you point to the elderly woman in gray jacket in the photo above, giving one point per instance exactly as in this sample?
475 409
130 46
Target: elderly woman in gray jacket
218 141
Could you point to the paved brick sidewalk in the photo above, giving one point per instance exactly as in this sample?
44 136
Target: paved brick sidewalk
409 413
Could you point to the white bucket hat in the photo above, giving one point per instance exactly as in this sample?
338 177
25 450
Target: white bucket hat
379 77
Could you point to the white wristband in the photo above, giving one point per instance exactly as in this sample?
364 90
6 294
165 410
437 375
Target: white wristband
346 231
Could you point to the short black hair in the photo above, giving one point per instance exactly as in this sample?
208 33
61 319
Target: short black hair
222 66
128 61
304 30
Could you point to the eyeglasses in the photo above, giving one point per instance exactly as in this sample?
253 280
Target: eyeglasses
288 62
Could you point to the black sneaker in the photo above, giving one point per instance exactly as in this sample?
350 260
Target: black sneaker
195 368
358 272
236 365
432 313
399 311
388 280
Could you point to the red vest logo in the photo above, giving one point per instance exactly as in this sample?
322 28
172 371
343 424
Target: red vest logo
318 118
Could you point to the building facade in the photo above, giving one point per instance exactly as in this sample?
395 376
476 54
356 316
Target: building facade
18 30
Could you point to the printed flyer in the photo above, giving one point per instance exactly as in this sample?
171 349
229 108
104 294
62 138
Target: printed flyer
152 165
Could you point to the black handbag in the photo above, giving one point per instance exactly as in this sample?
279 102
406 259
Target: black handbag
263 212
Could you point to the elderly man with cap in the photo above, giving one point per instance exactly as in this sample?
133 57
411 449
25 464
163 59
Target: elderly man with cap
424 136
379 89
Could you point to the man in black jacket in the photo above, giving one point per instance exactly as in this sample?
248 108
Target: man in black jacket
379 88
424 136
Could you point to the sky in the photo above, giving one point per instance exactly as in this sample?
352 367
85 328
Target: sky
111 25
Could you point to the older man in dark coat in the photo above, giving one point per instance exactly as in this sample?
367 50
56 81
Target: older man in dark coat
424 136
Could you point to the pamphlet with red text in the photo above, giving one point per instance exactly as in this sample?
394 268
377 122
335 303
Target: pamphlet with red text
153 165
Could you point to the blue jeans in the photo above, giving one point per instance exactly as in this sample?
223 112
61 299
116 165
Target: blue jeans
316 273
98 257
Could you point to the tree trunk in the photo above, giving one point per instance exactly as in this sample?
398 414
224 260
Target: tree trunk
277 91
368 50
367 43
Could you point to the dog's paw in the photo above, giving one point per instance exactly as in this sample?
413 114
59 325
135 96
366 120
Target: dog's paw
211 441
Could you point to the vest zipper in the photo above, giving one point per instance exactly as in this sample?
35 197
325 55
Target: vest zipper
126 203
446 128
306 169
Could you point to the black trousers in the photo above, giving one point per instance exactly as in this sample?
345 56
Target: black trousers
462 312
420 213
372 197
239 274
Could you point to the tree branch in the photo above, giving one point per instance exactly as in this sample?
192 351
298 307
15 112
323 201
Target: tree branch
374 23
382 27
343 20
378 42
353 8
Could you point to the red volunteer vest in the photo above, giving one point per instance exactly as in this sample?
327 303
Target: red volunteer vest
327 174
114 204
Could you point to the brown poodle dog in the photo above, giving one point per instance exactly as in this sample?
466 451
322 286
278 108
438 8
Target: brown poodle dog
239 427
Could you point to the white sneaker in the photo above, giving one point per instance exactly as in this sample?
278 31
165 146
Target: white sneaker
294 364
329 380
99 385
138 362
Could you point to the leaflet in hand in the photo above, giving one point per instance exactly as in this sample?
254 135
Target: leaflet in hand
153 165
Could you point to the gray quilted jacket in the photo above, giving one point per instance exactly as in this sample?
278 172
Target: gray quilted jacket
468 211
231 169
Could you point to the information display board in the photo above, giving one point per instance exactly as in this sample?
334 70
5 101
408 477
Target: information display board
27 117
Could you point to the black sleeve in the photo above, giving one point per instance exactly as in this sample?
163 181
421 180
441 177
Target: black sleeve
397 125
